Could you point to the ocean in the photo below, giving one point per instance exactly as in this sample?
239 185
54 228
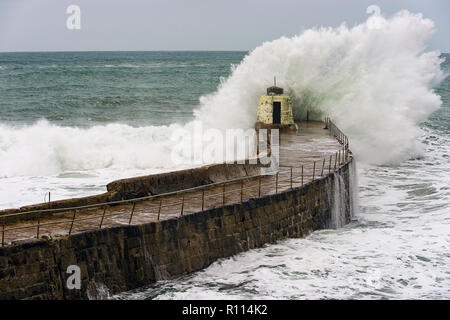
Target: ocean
71 122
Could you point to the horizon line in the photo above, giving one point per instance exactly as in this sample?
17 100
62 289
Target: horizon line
162 50
159 50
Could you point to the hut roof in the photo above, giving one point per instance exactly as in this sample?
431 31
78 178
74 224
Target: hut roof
274 90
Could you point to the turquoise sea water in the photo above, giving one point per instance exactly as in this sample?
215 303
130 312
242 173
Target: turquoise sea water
86 89
71 122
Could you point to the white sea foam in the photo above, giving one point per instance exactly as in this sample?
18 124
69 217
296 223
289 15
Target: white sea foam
375 82
46 149
398 248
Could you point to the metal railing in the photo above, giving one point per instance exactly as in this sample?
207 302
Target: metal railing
286 178
339 135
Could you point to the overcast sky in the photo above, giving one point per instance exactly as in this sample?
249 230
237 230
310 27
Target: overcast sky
40 25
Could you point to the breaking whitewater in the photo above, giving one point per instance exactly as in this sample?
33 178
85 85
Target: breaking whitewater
377 81
381 86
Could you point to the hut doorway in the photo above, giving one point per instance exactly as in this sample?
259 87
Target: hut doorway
276 113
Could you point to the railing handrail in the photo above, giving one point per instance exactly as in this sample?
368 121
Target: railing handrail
205 186
162 206
334 130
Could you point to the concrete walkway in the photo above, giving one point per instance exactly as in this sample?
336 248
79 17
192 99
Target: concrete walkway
310 144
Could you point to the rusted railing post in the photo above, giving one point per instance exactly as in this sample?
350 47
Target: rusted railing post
329 167
335 161
323 166
223 195
38 225
203 199
314 171
339 157
103 217
302 174
73 220
3 232
242 189
291 177
132 212
182 204
160 206
259 186
276 183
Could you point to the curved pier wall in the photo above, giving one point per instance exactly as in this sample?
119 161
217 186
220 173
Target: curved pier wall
118 259
143 186
179 180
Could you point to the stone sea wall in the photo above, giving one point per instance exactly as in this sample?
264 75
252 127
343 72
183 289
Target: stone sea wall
117 259
179 180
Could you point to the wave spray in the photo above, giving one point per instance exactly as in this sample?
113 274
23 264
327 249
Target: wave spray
375 80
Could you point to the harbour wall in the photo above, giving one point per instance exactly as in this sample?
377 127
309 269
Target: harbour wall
118 259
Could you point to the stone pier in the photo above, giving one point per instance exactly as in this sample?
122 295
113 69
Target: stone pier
130 245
